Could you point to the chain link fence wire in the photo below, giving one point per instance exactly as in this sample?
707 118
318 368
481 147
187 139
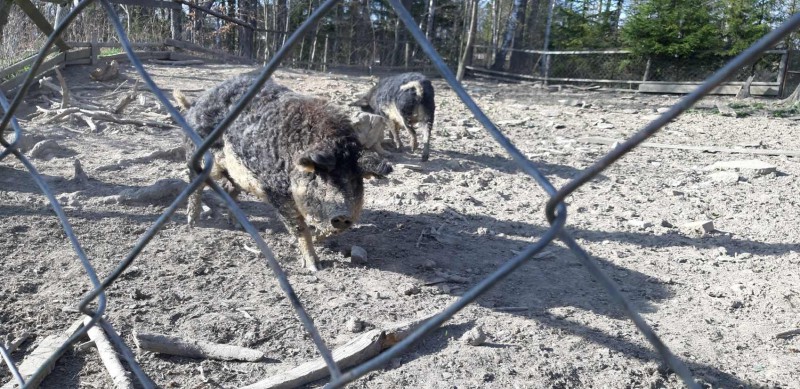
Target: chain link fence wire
555 210
622 68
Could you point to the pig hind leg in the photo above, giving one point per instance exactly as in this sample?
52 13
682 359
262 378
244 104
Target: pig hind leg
194 203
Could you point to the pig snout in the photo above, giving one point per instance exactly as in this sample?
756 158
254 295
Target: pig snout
341 222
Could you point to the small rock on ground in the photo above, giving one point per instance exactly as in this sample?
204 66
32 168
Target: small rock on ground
354 325
358 254
474 337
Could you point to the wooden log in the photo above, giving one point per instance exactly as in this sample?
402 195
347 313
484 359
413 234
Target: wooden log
709 149
38 356
120 376
64 89
187 62
357 350
193 47
191 348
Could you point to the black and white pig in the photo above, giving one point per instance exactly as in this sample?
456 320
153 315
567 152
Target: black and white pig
296 152
407 101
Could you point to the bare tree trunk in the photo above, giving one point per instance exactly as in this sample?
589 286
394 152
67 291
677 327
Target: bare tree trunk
281 22
248 9
467 58
495 28
176 23
5 8
314 45
396 46
429 24
400 38
514 18
517 62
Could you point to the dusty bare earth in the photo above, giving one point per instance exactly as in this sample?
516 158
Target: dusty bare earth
718 299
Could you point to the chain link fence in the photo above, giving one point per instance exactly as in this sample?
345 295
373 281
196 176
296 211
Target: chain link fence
93 305
622 68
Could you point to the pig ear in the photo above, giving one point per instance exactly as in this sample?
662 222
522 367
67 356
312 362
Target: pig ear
373 166
315 160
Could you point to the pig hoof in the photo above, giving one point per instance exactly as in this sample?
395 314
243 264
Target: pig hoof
425 157
312 267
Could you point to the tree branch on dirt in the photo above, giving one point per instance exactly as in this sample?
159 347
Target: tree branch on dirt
14 344
40 354
120 376
355 351
191 348
101 116
788 334
64 89
125 100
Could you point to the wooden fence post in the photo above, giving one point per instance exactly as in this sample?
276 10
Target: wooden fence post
95 49
782 68
325 55
646 70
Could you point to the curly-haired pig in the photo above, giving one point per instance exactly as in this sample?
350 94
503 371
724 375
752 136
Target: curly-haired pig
407 101
297 152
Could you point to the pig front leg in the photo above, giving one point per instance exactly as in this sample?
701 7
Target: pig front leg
194 202
426 140
414 143
297 226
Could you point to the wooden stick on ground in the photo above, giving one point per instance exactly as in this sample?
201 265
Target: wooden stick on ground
788 334
120 376
125 100
359 349
191 348
14 344
39 355
64 89
711 149
102 116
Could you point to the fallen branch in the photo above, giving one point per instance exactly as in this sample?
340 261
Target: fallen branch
125 100
191 348
121 377
175 154
709 149
39 356
359 349
14 344
64 89
100 115
788 334
89 122
161 190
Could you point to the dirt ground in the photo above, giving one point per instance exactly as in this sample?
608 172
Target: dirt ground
718 298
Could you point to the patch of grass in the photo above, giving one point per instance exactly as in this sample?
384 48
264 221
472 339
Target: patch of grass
738 105
106 51
782 112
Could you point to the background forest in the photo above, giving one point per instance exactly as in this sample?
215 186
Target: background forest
367 33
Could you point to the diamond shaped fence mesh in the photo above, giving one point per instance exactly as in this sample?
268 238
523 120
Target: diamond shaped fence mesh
93 305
